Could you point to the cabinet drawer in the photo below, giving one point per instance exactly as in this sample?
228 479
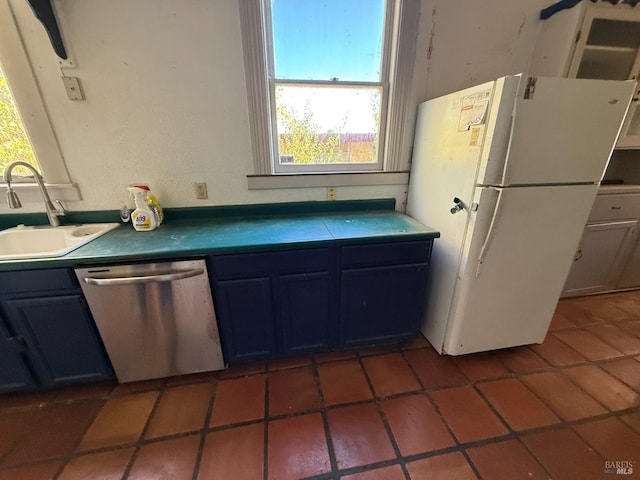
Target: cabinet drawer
313 259
615 207
26 281
386 253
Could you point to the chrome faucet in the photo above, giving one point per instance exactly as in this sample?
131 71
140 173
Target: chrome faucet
14 202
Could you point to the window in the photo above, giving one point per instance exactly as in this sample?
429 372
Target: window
324 84
14 142
25 92
327 71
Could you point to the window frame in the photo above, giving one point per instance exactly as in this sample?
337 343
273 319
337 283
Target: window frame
35 118
401 26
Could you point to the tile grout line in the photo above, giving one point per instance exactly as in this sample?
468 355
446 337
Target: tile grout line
74 453
265 433
534 456
333 462
581 328
204 431
564 345
562 373
493 409
403 463
425 392
513 434
139 443
631 357
383 418
615 347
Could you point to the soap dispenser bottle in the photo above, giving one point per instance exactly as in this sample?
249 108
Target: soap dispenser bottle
143 217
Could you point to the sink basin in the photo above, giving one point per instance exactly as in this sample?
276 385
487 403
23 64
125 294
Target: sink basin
22 242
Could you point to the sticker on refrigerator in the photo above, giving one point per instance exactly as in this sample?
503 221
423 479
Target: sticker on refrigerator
530 88
473 110
475 135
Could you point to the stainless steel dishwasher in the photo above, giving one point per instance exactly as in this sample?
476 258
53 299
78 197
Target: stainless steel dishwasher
156 319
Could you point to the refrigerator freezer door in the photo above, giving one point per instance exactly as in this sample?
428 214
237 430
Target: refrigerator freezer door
563 131
517 255
445 165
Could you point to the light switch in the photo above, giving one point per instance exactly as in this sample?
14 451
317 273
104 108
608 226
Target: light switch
72 86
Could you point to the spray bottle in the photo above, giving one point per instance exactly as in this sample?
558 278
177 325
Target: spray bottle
143 217
155 205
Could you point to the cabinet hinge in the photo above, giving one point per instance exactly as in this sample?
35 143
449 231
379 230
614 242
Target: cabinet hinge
578 35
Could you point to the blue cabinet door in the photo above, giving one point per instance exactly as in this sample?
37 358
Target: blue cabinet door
245 316
304 306
272 304
381 304
14 373
62 343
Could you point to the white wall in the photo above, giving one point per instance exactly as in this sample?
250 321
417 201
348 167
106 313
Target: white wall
476 41
165 91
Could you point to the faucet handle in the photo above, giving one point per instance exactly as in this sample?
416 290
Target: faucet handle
62 210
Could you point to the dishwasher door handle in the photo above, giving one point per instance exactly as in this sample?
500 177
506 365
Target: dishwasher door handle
165 277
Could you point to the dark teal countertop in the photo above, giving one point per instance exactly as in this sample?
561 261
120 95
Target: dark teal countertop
196 237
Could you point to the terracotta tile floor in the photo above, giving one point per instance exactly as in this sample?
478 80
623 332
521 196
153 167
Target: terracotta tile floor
559 410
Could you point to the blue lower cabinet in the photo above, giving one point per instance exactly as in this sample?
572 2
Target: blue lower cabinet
304 306
14 372
299 301
381 304
244 310
61 343
271 304
47 335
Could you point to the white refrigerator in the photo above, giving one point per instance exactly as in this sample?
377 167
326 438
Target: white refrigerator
507 172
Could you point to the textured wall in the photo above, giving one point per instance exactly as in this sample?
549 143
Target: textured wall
166 101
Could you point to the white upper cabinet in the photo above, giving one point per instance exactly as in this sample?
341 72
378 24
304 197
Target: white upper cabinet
595 41
609 48
608 45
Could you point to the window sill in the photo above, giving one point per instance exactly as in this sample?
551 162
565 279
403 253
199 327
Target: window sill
29 192
263 182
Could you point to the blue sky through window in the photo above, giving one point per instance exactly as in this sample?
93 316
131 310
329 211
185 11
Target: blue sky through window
326 39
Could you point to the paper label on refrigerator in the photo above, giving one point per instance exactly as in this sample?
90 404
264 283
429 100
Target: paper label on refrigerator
475 135
473 110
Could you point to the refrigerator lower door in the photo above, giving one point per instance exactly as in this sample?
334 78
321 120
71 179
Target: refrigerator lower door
516 258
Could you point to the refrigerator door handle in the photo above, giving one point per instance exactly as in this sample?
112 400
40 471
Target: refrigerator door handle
490 232
506 168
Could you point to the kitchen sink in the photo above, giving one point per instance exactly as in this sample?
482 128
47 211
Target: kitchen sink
23 242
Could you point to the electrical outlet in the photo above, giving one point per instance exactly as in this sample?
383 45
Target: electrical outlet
73 88
201 190
331 193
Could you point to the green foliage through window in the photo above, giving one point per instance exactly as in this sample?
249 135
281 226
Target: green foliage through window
14 142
